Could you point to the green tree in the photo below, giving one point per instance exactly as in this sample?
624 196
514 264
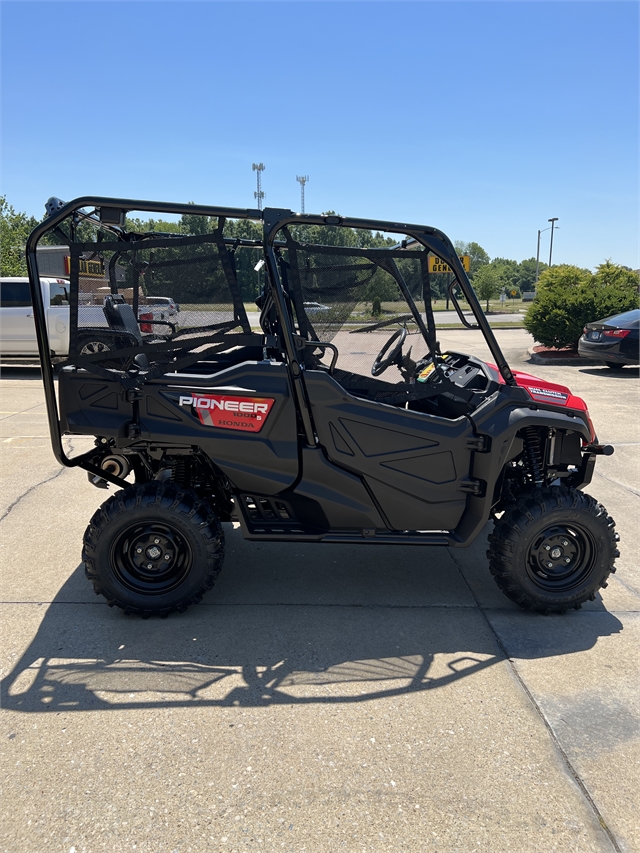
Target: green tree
382 287
15 227
569 297
488 281
563 277
507 270
140 226
616 281
477 255
526 274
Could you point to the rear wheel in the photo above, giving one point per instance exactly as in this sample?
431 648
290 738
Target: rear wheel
94 344
553 549
153 548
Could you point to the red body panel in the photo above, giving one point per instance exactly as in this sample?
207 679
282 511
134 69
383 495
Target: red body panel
552 393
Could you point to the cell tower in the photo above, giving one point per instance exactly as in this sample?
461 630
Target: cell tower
258 194
303 180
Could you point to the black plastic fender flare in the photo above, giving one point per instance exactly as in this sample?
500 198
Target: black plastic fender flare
501 426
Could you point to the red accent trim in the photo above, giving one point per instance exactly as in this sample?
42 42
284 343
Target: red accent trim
542 391
248 414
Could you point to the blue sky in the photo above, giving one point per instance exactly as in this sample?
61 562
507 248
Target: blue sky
483 119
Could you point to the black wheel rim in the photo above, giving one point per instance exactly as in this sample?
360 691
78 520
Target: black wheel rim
561 557
151 558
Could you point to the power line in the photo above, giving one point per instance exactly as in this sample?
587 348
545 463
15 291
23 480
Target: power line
258 168
303 180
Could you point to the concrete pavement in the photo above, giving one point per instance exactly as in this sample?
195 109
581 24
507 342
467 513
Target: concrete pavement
320 698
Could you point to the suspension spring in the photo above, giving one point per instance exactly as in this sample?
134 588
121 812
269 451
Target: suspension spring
181 472
533 456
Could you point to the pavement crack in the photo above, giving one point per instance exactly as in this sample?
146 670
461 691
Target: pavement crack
22 412
538 711
27 493
626 585
34 487
618 483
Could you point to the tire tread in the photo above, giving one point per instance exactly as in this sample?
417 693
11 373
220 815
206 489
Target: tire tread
514 523
196 512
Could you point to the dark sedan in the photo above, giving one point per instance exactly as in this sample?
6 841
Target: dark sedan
613 341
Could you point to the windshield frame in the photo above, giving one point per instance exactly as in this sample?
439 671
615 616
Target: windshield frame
431 238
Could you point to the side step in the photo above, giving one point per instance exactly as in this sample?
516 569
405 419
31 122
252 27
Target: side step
272 519
269 518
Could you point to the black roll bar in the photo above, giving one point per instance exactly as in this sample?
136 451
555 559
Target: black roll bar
51 222
273 220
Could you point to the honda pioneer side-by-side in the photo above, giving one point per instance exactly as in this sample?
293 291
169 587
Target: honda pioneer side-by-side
305 418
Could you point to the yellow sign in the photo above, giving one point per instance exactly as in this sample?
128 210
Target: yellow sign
91 269
438 266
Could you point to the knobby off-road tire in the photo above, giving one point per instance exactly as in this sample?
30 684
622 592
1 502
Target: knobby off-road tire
153 548
553 549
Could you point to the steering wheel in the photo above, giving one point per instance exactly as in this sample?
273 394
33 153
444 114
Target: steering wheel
395 345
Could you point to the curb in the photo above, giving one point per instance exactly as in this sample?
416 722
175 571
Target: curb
579 361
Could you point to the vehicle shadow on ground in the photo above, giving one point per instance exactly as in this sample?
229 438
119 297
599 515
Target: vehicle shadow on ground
628 372
86 656
22 371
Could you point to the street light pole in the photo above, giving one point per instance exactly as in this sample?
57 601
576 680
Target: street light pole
553 222
538 252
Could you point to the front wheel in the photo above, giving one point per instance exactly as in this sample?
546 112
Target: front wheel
153 548
553 549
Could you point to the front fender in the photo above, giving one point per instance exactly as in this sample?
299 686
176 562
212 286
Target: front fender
500 419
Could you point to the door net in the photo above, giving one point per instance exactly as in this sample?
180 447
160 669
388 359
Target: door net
357 297
154 302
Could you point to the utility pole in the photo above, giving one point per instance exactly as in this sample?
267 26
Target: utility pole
553 222
303 180
258 168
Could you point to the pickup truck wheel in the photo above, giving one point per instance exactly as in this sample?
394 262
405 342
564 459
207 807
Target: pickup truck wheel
153 548
94 344
553 549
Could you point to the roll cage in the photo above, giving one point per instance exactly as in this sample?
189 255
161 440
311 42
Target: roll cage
287 332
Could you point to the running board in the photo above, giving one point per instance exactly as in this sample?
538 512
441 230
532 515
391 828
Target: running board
386 538
271 519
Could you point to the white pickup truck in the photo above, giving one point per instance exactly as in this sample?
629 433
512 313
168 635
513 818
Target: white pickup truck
17 328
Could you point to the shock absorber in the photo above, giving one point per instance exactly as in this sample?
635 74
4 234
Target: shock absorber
181 472
533 456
